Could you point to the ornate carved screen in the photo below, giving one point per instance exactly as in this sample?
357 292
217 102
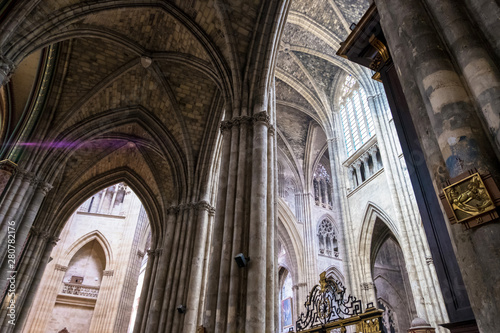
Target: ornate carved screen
328 310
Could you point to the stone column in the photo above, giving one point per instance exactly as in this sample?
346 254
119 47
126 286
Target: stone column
141 317
357 167
242 225
474 61
486 13
194 296
39 264
26 218
309 266
368 172
256 289
461 139
160 279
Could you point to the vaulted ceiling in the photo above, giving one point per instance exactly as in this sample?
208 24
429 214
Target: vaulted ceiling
144 84
308 75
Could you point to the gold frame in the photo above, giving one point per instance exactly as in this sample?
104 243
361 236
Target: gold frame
461 193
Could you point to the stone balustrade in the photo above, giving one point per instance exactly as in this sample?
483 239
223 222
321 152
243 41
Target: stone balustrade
80 290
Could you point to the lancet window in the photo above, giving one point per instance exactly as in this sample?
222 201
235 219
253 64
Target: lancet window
322 187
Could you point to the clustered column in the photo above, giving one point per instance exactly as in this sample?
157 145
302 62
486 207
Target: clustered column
244 223
166 282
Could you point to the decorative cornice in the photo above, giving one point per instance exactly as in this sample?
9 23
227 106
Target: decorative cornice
363 149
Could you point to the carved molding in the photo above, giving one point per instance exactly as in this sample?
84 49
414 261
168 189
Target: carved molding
202 204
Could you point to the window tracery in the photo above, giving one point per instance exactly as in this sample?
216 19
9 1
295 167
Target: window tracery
322 187
327 237
356 119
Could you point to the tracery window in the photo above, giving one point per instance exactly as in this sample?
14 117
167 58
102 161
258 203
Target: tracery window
327 237
357 122
322 187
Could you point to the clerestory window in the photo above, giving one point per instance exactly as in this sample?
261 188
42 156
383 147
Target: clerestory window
357 122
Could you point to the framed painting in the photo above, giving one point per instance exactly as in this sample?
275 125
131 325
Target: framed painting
286 313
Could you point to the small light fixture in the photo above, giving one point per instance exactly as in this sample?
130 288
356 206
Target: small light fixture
181 308
241 260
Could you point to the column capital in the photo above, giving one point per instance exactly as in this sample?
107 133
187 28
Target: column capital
153 253
7 68
261 117
44 186
204 205
53 240
225 126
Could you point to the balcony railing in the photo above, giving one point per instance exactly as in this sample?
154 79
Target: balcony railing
80 290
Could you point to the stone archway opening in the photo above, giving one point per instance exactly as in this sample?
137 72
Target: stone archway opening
390 280
94 278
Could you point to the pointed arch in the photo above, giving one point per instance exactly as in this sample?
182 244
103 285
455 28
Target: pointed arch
373 213
292 240
86 239
334 272
55 217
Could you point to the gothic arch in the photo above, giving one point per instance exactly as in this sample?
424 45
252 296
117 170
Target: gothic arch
55 218
373 213
85 239
334 272
292 240
164 144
